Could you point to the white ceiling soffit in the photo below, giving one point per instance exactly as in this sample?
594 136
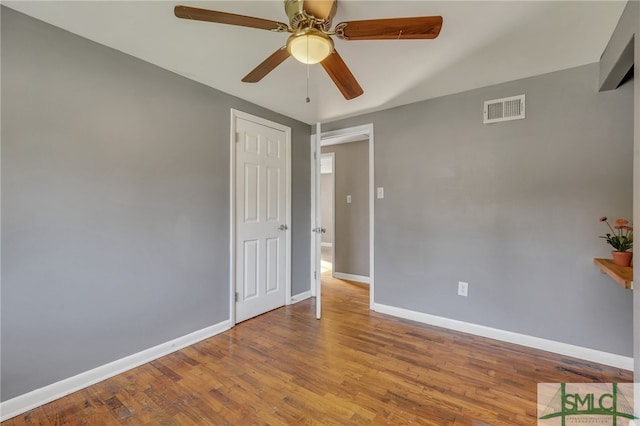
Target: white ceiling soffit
481 43
340 139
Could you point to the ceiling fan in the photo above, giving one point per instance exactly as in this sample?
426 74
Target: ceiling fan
310 41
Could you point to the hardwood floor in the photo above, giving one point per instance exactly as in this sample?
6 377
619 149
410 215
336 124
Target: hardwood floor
352 367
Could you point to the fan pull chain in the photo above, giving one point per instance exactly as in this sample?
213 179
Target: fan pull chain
308 99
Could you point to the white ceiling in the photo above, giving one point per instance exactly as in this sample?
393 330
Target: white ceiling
481 43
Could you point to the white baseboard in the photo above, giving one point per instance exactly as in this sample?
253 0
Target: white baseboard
28 401
301 296
351 277
592 355
326 244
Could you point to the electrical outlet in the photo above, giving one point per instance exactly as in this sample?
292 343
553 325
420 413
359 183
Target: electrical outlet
463 288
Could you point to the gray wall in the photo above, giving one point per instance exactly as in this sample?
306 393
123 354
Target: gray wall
115 204
512 208
326 199
351 240
622 51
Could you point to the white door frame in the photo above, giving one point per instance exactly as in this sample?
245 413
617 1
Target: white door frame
314 267
235 114
350 134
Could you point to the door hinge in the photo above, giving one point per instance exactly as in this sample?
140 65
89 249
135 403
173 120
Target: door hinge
315 275
315 155
237 296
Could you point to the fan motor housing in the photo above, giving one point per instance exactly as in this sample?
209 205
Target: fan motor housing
298 17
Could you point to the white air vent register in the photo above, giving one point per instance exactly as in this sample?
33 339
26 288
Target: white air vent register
504 109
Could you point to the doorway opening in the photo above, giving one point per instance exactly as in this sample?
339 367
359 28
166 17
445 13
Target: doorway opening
353 243
348 214
327 204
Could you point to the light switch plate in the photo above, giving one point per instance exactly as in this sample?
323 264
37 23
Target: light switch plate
348 199
380 193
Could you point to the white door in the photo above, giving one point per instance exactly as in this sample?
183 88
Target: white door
262 216
317 236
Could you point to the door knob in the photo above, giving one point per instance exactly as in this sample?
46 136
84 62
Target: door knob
283 227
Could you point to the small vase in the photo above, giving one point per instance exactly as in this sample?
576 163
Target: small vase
622 258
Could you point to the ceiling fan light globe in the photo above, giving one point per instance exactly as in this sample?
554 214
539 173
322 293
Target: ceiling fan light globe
310 48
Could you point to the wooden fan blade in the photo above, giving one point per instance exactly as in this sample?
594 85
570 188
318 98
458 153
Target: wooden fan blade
320 9
267 66
186 12
341 76
424 27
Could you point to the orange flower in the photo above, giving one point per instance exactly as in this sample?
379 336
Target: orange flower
621 236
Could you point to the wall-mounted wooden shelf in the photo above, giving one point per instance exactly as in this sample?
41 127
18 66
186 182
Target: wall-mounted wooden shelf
623 275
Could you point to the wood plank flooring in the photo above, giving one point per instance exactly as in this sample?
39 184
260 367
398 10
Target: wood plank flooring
353 367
